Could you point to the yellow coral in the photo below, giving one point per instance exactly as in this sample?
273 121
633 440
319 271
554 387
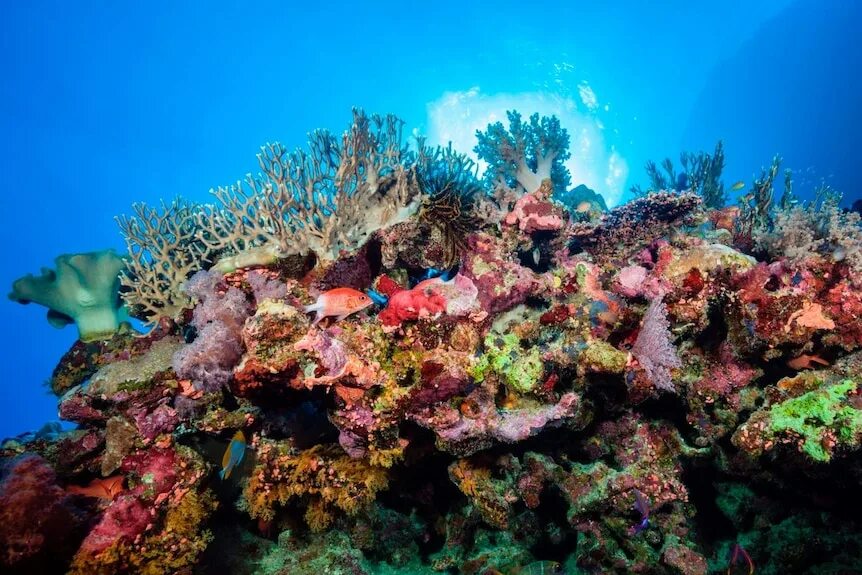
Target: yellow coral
324 477
487 494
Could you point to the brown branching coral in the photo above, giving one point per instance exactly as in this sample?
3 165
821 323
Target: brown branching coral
324 479
164 250
326 200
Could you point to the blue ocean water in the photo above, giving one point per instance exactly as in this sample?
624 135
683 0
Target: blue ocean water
103 105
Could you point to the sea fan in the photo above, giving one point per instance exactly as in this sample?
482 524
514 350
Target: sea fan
653 348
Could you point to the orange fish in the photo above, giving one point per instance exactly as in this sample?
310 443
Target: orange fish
338 302
805 361
107 488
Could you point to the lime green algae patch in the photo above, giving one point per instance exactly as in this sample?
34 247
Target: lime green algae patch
817 415
520 369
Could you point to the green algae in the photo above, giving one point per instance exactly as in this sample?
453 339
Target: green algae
603 357
810 415
520 369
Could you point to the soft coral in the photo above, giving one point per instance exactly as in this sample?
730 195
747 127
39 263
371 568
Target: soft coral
37 518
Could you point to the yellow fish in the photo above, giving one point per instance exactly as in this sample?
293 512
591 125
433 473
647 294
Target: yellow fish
737 186
583 207
233 454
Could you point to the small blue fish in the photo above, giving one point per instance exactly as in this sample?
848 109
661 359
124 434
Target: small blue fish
377 297
642 507
681 182
233 454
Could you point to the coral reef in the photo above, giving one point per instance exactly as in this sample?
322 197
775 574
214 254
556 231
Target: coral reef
500 375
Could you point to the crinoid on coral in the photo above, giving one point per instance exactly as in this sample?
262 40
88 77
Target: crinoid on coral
449 184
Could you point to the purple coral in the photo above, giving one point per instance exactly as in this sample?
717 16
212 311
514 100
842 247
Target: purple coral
653 348
265 287
219 318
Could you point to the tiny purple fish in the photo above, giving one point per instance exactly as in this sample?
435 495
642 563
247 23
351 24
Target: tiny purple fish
641 506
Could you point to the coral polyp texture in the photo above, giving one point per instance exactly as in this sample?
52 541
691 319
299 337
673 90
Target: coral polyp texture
500 376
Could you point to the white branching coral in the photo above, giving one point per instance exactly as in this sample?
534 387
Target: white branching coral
164 250
327 199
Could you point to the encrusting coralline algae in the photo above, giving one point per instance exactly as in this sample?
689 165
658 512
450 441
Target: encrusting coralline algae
505 376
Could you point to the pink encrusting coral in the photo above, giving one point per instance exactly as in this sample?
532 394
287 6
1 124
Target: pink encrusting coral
535 212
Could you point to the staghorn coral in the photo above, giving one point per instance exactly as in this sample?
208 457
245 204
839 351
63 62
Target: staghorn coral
326 200
164 249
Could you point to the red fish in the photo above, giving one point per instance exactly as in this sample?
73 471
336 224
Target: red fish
106 488
338 302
